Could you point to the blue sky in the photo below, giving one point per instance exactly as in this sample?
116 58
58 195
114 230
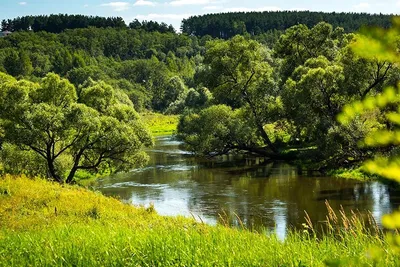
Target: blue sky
173 11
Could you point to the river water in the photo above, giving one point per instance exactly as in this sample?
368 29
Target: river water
262 194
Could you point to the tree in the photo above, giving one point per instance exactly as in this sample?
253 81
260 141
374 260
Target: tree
218 130
299 43
321 74
92 130
238 74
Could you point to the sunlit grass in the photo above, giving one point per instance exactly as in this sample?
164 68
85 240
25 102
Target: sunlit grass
46 224
354 174
160 124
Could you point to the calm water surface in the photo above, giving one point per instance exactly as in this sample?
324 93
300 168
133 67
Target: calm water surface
261 194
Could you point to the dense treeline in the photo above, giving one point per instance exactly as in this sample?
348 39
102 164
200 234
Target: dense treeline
227 25
57 23
151 26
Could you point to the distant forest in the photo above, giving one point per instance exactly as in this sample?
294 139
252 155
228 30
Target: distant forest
227 25
223 25
61 22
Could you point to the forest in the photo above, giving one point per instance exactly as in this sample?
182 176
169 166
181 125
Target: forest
241 95
227 25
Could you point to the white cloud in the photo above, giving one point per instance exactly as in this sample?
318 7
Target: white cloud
86 5
144 3
398 3
299 9
22 3
246 9
362 6
117 6
212 7
191 2
163 16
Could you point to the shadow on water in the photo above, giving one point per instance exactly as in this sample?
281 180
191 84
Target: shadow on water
261 193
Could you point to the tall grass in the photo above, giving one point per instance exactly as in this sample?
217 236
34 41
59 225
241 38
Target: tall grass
45 224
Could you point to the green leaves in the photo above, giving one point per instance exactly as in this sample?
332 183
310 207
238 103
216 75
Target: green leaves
97 95
236 67
389 96
55 91
377 43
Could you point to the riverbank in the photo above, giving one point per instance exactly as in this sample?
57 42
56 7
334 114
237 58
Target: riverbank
353 173
160 124
44 223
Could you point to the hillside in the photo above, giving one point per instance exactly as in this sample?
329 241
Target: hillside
45 224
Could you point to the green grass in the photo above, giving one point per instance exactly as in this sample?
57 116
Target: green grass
160 124
356 174
46 224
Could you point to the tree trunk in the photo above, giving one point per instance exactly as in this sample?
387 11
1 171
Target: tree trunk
52 171
259 125
71 175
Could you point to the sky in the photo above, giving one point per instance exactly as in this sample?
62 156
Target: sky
173 11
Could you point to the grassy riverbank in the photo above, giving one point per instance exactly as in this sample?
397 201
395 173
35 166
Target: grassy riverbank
355 174
44 223
160 124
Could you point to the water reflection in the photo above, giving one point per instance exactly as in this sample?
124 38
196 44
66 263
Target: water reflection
223 189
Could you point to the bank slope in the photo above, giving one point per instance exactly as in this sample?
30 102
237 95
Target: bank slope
44 224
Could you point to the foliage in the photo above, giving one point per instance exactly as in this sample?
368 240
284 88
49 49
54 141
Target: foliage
147 60
303 83
243 83
381 44
97 129
191 100
47 224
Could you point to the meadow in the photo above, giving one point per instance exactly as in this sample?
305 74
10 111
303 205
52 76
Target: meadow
46 224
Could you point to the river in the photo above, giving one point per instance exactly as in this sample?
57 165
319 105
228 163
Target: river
262 194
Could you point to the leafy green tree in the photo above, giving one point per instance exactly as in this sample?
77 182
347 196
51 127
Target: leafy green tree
299 43
191 100
218 130
324 75
238 74
92 131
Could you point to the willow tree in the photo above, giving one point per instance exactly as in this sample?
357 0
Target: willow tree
239 74
98 128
